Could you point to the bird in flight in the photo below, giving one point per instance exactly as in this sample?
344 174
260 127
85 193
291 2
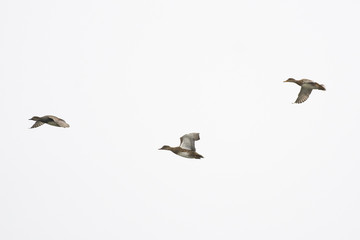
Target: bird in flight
306 88
49 119
187 146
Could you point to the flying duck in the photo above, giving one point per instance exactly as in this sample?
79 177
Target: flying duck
49 119
187 146
306 87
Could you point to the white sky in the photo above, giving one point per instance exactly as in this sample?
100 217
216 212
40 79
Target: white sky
131 76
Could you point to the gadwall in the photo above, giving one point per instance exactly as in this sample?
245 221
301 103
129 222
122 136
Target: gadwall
187 146
51 120
306 87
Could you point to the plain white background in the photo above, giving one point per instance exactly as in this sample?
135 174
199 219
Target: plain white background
131 76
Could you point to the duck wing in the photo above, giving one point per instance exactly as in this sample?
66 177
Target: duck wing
188 141
37 124
303 95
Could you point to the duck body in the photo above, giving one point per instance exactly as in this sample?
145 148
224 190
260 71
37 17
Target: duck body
49 119
187 146
306 88
182 152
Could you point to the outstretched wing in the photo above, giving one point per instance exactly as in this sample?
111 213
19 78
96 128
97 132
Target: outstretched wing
188 141
303 95
37 124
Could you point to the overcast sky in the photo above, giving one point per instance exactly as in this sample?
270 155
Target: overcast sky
131 76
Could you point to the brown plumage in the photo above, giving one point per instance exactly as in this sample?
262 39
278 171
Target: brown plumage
306 88
49 119
182 152
187 146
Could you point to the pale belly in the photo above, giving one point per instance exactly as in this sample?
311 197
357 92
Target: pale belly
185 154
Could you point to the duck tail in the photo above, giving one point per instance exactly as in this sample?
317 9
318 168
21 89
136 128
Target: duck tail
322 87
198 156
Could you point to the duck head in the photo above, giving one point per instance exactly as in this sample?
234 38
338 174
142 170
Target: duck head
165 147
35 118
290 80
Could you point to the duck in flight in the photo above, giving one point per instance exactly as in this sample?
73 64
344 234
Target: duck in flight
187 146
49 119
306 87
